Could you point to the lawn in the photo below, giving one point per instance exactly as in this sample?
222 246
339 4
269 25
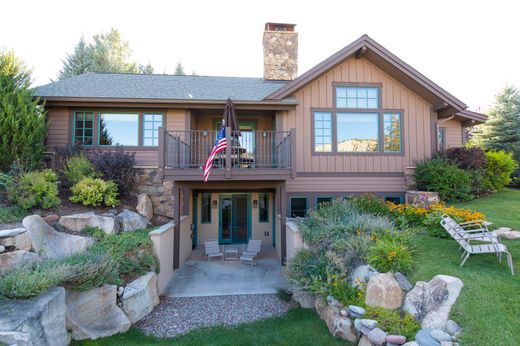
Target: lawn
298 327
489 304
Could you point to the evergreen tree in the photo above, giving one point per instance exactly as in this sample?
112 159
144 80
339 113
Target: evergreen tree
179 70
22 119
78 62
146 69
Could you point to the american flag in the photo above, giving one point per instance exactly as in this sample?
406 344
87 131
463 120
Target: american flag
220 145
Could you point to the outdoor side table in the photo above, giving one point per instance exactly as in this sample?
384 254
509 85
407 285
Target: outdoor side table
231 254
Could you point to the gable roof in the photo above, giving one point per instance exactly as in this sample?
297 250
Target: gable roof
368 48
158 87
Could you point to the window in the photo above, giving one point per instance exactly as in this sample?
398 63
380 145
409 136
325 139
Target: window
320 200
119 128
205 208
392 132
298 206
357 97
323 131
357 132
441 138
151 124
83 128
263 207
393 199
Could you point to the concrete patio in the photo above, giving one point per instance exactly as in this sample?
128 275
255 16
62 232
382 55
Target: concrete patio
198 278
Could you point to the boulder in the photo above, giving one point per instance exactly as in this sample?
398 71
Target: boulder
384 291
453 328
430 302
396 339
424 338
306 300
403 282
130 221
50 243
140 297
35 321
440 336
77 222
50 219
356 311
377 337
21 241
507 233
9 233
411 343
144 206
94 314
362 274
363 341
326 313
343 328
370 324
10 260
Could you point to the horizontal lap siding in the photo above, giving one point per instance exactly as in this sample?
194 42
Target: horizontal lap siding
346 184
58 133
453 133
319 94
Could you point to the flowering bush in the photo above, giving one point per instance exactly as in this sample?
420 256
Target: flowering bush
392 252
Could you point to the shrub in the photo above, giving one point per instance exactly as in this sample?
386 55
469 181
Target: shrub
368 204
94 192
451 182
284 294
117 166
342 290
89 270
354 249
467 158
394 322
12 214
6 180
79 167
392 253
500 165
37 188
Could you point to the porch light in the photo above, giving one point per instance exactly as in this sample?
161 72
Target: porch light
214 204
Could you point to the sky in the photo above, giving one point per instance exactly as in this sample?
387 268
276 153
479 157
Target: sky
470 48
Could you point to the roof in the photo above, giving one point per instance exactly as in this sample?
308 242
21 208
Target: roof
153 86
368 48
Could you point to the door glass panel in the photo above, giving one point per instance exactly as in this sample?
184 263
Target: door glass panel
240 209
226 217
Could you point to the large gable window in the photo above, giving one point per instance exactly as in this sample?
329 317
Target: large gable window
119 129
357 123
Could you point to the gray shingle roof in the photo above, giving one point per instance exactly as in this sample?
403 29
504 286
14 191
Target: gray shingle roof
141 86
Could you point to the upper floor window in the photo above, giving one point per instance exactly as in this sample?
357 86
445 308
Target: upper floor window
151 124
357 97
119 128
392 132
357 132
322 131
83 128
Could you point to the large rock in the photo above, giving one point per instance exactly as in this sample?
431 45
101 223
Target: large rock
344 329
130 221
94 314
19 238
507 233
362 274
383 290
140 297
326 313
50 243
424 338
430 302
338 325
77 222
306 300
377 337
144 206
10 260
36 321
9 233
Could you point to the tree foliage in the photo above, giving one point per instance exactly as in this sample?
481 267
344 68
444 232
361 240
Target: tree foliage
22 119
106 53
179 70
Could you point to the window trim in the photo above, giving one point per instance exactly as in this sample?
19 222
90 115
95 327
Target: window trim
306 204
380 152
401 132
73 128
267 207
202 222
379 87
142 115
401 199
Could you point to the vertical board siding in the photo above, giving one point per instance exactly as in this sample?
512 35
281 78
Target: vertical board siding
453 133
58 133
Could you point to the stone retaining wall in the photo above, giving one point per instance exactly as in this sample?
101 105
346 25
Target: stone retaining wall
149 181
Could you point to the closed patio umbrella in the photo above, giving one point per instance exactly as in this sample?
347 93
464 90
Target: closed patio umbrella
230 118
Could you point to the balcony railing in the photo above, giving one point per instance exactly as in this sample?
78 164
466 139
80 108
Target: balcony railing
246 149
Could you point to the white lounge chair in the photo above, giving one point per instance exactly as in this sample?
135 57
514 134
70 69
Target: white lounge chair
253 247
493 246
213 250
472 230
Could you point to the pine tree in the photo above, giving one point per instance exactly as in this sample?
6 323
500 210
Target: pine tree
78 62
179 70
22 119
146 69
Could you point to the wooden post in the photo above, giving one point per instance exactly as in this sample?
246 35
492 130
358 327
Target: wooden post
228 152
161 150
177 228
283 214
292 143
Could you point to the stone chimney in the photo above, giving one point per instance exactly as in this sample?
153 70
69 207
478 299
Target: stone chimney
280 51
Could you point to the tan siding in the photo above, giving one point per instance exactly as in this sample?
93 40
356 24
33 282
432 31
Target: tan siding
176 119
453 133
58 134
146 158
346 184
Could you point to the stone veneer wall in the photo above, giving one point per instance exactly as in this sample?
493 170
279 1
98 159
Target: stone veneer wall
280 55
149 181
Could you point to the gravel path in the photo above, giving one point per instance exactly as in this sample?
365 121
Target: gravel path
174 316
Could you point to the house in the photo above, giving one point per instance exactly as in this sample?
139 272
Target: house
355 123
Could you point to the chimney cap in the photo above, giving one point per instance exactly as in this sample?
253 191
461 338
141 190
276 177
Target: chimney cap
279 27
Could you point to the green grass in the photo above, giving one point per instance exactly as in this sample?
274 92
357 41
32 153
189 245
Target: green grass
298 327
489 303
502 208
11 214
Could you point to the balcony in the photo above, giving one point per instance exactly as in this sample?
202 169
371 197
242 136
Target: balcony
250 155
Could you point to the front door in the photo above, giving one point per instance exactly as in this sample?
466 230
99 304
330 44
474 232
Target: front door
234 221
